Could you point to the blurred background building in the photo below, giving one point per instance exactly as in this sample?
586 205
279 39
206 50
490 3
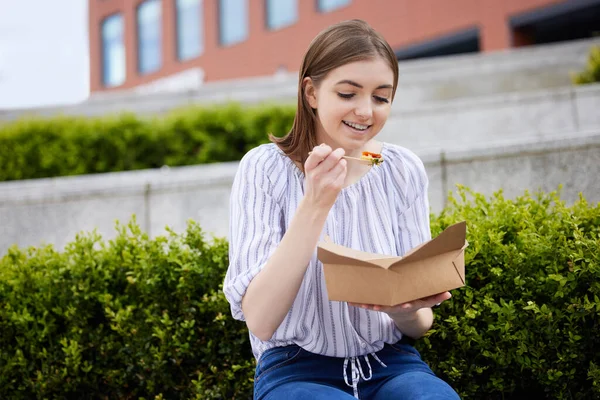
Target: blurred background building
135 42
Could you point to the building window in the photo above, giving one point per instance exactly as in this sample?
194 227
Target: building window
113 51
330 5
190 37
233 21
149 21
281 13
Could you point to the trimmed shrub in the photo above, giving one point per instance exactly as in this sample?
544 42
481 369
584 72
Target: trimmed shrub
129 318
145 318
591 72
60 146
527 322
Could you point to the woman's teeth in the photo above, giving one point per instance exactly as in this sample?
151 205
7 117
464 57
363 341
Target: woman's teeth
356 126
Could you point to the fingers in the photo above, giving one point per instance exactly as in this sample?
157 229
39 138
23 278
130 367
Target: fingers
426 302
316 156
339 173
325 172
323 159
438 298
330 162
432 301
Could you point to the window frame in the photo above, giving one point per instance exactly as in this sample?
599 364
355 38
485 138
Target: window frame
103 53
271 27
221 29
140 70
324 11
178 37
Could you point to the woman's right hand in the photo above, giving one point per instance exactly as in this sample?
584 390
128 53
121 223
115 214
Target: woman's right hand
325 172
271 293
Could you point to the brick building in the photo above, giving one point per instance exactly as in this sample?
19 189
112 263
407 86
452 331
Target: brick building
136 42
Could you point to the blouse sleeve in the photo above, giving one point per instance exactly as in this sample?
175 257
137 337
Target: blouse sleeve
254 227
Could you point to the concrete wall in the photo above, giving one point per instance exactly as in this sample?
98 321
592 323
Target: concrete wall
422 82
526 164
54 210
456 124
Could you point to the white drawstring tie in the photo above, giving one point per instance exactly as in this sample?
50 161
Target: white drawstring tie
357 371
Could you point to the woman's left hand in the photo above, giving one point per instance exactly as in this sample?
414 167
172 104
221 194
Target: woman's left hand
407 308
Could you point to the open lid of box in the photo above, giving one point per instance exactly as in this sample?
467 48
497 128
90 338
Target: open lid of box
451 239
331 253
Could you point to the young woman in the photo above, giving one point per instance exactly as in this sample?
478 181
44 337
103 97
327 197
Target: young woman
289 194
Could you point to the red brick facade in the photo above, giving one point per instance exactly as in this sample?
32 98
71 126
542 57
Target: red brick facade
402 22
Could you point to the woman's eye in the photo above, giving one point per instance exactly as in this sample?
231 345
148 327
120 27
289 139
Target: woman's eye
381 99
346 95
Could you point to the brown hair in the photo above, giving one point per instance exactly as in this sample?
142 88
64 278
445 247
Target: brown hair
339 44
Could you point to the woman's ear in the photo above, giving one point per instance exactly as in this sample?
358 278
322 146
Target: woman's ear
310 92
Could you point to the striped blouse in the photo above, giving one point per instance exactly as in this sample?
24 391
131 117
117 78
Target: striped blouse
385 212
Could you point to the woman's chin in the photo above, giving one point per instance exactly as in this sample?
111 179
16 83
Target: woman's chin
355 143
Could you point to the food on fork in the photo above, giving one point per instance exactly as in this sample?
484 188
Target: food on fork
374 158
366 157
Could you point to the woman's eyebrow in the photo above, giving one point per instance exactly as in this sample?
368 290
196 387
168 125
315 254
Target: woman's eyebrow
358 85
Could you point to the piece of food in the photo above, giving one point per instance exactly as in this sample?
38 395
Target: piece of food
374 158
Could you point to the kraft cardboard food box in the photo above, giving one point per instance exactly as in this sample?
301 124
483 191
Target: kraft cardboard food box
433 267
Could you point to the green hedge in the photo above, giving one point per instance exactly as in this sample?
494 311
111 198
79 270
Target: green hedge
528 321
145 318
39 148
130 318
591 72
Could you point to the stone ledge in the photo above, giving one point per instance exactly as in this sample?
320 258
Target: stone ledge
503 99
115 183
523 56
582 140
175 179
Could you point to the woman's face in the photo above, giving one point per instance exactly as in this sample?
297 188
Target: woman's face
352 103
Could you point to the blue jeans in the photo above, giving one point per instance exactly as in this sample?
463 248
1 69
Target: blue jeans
293 373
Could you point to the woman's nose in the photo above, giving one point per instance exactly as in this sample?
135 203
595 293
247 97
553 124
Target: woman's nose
364 110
